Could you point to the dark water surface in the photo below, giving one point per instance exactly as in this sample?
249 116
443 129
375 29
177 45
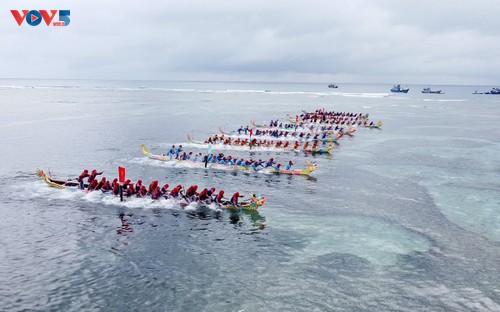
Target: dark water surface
401 219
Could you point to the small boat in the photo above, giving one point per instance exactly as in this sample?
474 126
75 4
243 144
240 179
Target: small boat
333 86
428 90
253 203
475 92
400 89
493 91
310 166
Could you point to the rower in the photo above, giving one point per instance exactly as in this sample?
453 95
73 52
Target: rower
93 185
143 191
175 192
270 163
105 185
191 193
289 166
156 193
204 196
218 199
83 175
164 189
234 199
178 151
93 175
171 152
138 185
152 187
130 190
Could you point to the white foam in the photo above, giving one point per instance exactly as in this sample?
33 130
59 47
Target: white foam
38 189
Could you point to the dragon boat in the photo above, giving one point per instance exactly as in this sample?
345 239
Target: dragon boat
305 137
352 128
253 203
300 128
311 167
323 111
312 128
246 147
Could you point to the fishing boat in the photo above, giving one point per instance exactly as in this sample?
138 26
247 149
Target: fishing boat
428 90
493 91
253 203
306 171
399 89
267 148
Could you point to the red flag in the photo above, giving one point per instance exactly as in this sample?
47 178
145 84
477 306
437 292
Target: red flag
121 174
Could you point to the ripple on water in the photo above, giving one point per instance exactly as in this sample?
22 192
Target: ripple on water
377 241
469 199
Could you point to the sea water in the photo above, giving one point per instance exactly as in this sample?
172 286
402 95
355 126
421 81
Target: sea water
403 218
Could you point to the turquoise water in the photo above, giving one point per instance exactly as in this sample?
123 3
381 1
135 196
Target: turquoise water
405 218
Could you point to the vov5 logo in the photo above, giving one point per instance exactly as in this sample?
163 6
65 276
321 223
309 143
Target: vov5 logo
35 17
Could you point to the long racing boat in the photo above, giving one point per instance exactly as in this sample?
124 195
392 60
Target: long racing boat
253 203
265 148
306 171
284 136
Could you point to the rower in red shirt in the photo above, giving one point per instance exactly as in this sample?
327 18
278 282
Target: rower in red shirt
83 175
191 193
234 199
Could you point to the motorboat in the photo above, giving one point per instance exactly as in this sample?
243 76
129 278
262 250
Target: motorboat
428 90
400 89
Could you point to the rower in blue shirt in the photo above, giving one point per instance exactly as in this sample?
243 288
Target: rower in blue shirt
171 152
270 163
178 151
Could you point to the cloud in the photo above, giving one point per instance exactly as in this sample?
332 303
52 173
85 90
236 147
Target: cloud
356 41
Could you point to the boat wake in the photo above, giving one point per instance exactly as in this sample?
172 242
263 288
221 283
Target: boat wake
236 148
446 100
39 190
189 165
365 95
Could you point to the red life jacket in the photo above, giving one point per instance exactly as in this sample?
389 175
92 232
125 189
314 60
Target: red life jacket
219 197
191 191
82 176
235 197
203 194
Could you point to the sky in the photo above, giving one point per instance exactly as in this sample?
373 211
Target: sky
356 41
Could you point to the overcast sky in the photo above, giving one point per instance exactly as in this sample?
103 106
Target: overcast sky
367 41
